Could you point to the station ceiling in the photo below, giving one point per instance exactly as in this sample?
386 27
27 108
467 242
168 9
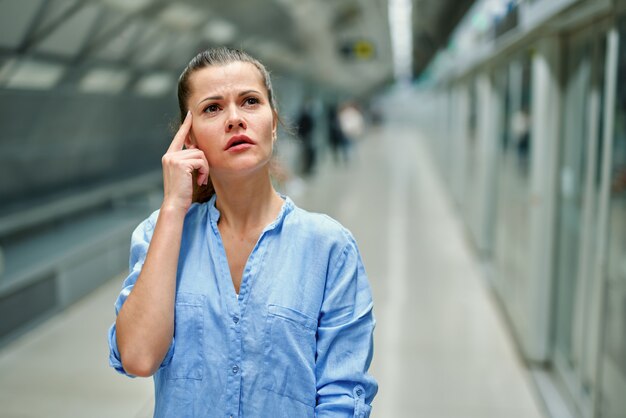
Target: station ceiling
114 44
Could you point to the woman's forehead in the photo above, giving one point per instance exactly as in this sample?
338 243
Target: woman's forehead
220 78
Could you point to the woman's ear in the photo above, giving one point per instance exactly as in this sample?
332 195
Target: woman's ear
274 125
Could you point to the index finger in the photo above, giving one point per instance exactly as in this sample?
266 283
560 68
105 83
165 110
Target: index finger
183 131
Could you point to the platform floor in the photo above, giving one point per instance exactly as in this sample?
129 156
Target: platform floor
442 349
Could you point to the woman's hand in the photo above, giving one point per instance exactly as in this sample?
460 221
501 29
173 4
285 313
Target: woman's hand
178 167
145 323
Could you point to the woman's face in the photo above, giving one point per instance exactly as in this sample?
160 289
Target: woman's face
233 121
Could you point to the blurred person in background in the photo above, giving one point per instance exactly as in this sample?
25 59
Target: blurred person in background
305 126
239 303
521 132
376 112
339 143
351 121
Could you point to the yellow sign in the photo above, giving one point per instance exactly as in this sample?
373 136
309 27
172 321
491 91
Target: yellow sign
359 49
363 50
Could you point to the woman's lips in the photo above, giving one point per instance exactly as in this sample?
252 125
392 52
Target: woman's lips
238 143
240 147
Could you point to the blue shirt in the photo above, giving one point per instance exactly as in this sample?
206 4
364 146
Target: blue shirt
296 342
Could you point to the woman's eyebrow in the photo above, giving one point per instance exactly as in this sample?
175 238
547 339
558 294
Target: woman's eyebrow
243 93
211 98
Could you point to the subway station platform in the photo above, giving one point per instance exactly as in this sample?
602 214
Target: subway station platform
442 347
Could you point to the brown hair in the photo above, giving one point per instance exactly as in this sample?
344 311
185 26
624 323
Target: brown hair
208 58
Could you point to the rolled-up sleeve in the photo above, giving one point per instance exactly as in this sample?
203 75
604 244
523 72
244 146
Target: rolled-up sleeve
140 241
345 340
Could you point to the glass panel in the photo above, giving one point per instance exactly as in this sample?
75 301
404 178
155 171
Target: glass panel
471 161
502 92
512 227
579 286
592 293
613 401
572 176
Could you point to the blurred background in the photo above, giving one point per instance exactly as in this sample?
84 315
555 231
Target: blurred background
475 148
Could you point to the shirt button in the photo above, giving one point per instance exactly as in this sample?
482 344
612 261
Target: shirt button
359 392
235 319
235 369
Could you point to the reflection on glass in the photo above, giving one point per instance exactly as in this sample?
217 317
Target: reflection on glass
471 133
512 218
614 356
471 162
572 176
578 291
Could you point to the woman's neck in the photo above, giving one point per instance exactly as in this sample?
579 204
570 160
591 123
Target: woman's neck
246 203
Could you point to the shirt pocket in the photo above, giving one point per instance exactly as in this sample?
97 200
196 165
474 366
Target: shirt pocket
188 358
290 354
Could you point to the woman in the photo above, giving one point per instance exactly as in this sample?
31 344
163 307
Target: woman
243 305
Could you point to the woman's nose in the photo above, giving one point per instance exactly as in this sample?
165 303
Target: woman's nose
235 120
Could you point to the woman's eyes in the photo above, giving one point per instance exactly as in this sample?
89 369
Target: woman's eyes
249 101
252 101
212 108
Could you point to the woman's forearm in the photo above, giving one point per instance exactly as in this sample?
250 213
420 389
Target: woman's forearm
145 324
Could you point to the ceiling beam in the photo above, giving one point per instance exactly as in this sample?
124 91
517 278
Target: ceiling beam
36 36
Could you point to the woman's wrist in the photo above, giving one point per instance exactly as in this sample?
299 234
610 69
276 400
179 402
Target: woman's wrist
173 209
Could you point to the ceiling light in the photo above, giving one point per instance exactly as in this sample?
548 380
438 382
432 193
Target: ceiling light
400 24
181 16
35 74
6 69
156 84
128 5
219 31
104 80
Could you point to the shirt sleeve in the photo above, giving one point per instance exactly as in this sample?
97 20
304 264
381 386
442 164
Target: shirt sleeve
139 244
345 341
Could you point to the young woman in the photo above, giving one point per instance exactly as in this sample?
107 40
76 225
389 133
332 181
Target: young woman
239 303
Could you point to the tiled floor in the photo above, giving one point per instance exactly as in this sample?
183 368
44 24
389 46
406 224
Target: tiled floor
441 347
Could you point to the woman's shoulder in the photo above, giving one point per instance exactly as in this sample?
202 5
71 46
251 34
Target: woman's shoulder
321 226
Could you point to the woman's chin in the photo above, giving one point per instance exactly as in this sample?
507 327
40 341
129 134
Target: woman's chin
241 168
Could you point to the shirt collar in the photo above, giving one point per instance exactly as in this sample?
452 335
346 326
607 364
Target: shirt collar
214 213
